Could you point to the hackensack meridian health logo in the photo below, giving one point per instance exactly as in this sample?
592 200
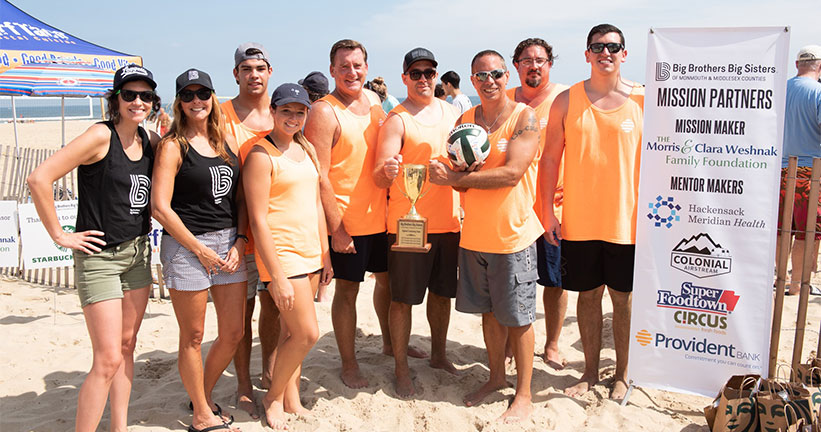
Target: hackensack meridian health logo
663 212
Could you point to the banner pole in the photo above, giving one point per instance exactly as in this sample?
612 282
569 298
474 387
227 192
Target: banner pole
784 239
809 249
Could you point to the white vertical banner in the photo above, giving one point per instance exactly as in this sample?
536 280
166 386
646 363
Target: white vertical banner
154 237
9 244
708 198
39 250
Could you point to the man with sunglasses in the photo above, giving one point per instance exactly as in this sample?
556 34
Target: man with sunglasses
533 59
497 249
415 132
248 118
601 142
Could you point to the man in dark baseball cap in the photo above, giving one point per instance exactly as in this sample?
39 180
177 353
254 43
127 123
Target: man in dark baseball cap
416 55
317 85
133 72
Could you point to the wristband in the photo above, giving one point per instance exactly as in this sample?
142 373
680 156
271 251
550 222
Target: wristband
243 236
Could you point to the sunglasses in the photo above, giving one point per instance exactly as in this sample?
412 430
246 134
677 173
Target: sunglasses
416 74
202 94
495 74
130 95
598 47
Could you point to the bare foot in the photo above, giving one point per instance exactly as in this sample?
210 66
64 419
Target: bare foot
412 351
265 382
247 404
353 378
585 383
204 423
510 364
404 386
473 399
553 359
322 295
519 410
445 365
275 415
618 390
296 408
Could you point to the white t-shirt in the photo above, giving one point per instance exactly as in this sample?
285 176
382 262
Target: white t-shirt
462 102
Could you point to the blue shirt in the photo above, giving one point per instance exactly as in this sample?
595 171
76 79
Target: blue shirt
802 121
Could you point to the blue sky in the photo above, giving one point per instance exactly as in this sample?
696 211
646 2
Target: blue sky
172 36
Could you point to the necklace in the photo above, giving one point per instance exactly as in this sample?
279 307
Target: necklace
484 121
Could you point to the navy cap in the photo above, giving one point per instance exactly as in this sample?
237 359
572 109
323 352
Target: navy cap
288 93
315 82
415 55
133 72
194 76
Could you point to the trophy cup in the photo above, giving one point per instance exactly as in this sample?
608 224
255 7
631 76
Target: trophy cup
412 229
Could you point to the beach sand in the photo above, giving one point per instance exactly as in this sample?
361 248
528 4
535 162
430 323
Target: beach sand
47 354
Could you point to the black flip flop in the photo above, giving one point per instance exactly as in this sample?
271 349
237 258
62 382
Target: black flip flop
217 412
209 428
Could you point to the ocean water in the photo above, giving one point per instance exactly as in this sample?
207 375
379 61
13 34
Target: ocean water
48 107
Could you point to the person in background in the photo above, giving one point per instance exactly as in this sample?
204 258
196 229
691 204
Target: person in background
112 254
450 83
378 86
439 92
198 200
316 83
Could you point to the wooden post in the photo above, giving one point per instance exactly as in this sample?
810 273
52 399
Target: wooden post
784 240
160 282
809 236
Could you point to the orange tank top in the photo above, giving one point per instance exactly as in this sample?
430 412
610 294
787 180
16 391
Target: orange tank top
500 220
542 116
246 138
361 202
293 216
421 143
601 168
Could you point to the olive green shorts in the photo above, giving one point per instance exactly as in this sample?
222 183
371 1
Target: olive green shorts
106 274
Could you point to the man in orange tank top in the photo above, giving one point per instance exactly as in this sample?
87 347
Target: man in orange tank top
497 250
533 58
343 127
597 124
248 117
415 132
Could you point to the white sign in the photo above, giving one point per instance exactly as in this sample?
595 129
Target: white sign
705 235
39 250
155 237
9 245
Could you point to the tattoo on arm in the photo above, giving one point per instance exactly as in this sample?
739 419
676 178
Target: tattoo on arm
531 126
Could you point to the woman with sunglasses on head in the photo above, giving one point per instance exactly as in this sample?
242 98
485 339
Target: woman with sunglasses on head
198 200
112 255
286 216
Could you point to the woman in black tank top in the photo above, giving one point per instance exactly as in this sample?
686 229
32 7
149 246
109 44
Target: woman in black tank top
198 200
112 256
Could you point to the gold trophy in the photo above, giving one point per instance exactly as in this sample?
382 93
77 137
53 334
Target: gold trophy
412 229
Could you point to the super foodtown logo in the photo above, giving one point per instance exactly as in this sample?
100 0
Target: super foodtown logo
694 348
701 257
699 306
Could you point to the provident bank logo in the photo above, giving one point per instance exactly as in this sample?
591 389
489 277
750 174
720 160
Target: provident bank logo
701 257
664 211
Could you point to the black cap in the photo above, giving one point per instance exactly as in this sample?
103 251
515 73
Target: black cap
289 92
133 72
415 55
315 82
194 76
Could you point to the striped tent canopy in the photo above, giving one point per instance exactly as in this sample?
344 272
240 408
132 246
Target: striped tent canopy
56 79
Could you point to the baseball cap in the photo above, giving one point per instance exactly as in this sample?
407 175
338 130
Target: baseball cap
133 72
809 52
415 55
250 50
290 92
194 76
315 82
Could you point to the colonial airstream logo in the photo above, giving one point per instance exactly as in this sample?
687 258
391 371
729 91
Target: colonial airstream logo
701 257
138 195
221 182
662 71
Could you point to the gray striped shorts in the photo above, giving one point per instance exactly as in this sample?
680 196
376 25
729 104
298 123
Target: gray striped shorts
182 269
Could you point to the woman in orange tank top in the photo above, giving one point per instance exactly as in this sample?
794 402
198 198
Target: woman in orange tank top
291 241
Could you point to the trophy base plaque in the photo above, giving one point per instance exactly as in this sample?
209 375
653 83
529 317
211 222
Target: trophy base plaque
411 235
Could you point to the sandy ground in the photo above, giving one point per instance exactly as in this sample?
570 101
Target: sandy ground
47 355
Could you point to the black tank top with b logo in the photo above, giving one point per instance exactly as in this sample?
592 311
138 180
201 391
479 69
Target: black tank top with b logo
205 192
114 192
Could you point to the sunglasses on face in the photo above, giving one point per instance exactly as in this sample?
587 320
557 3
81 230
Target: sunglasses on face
598 47
495 74
202 94
130 95
416 74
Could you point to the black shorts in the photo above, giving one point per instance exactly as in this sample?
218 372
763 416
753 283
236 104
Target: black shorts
549 263
411 273
590 264
371 255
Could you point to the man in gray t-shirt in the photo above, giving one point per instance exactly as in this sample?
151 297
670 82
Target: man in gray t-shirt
450 83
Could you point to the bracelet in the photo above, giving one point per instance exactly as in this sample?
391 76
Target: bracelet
243 236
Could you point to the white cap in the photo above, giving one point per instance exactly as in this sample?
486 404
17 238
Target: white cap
809 52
